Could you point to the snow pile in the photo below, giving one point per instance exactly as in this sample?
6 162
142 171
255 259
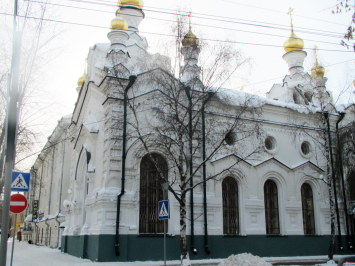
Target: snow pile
245 259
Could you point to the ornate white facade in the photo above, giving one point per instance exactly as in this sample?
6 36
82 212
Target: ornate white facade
290 157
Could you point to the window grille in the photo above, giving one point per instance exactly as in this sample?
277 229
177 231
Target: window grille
230 206
271 208
150 193
307 209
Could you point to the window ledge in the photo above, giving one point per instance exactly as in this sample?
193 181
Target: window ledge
236 235
155 235
277 235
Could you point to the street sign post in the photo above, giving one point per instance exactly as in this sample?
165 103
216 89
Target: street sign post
164 214
164 210
20 181
18 203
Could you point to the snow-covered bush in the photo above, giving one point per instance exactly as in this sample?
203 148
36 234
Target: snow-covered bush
244 259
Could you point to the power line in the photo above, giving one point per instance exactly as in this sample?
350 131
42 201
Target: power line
307 71
195 24
209 17
277 11
171 35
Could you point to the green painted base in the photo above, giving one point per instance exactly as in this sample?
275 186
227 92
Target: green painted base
101 248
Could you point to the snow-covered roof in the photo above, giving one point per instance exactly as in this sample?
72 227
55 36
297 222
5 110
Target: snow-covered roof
241 98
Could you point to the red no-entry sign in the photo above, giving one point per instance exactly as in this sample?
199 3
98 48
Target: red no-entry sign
18 203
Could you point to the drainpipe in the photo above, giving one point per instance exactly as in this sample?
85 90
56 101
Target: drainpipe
210 95
326 115
343 183
61 184
39 199
132 79
46 238
50 193
194 250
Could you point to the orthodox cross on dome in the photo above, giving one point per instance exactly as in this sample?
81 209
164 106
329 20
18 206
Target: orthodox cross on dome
315 53
290 12
190 20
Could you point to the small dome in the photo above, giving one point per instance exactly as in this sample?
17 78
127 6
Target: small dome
190 39
317 71
118 23
137 3
81 80
293 43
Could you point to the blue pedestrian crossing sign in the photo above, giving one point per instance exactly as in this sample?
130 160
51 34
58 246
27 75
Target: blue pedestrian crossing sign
20 181
163 210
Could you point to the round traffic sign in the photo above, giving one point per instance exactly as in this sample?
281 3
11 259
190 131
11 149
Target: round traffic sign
18 203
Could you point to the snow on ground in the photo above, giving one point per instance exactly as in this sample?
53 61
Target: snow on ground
244 259
32 255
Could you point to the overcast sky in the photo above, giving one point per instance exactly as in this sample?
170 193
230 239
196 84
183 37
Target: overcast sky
260 27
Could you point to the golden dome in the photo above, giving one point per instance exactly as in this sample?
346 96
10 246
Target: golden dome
81 80
293 43
137 3
190 39
118 23
317 71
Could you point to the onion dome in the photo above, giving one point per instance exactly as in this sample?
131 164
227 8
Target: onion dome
81 80
317 70
190 39
137 3
118 23
293 43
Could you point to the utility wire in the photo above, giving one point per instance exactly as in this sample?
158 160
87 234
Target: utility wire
171 35
195 24
209 17
277 11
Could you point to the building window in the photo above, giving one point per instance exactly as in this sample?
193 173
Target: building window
230 138
308 96
271 208
150 194
305 147
307 209
270 143
230 206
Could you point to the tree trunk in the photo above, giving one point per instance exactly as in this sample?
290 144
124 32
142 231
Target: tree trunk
185 260
332 223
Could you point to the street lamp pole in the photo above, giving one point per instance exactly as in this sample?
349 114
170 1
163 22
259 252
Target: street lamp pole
165 187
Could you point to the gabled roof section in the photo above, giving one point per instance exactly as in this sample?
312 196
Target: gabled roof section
230 155
289 167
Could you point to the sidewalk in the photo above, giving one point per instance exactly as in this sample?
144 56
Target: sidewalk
31 255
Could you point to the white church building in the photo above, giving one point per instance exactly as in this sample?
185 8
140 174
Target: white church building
263 158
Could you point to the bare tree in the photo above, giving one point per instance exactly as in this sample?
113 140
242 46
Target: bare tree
176 112
344 6
320 127
37 51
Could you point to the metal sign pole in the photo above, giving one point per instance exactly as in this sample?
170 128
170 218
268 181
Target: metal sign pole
164 243
13 241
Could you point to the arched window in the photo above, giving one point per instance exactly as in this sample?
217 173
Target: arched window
230 206
307 209
150 194
271 208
